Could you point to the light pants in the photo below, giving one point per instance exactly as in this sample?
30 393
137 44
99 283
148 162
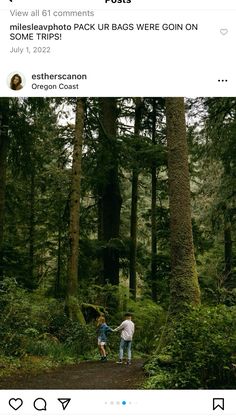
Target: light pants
125 344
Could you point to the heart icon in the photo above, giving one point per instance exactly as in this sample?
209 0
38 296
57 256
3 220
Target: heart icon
224 31
15 403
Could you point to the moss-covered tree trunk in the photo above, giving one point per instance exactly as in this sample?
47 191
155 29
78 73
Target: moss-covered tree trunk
58 272
32 230
4 112
153 212
72 303
109 190
184 287
228 249
134 206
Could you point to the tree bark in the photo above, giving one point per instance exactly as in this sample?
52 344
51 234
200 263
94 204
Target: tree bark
72 304
134 206
4 142
153 213
32 231
228 249
184 287
58 272
110 197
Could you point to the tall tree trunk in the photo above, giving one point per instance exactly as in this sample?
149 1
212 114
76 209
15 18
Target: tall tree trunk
58 272
228 249
100 279
153 212
4 140
134 206
110 191
184 287
99 222
32 231
72 304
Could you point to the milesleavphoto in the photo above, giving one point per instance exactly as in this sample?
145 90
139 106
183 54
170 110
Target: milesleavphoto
117 243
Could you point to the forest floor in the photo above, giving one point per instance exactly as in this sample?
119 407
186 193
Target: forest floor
85 375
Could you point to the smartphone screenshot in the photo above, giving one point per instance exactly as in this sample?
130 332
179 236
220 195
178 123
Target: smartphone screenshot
117 209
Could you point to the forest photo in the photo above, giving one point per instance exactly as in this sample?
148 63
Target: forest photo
116 209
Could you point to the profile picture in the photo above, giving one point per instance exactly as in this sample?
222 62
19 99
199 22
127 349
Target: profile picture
16 81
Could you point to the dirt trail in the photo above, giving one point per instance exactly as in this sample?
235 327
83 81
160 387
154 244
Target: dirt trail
85 375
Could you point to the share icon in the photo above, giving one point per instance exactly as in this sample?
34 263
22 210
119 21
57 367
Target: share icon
64 403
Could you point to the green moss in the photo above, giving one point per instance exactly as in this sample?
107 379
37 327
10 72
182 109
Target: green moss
73 310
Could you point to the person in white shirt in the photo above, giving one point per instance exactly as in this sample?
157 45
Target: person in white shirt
127 330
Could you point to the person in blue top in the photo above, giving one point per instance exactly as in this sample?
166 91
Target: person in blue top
102 332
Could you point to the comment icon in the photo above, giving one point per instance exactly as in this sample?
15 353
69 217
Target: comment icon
40 404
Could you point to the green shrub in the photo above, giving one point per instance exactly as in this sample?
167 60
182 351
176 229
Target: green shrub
149 318
53 350
24 316
81 338
201 351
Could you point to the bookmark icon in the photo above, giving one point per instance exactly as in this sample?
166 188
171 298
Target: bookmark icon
218 403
